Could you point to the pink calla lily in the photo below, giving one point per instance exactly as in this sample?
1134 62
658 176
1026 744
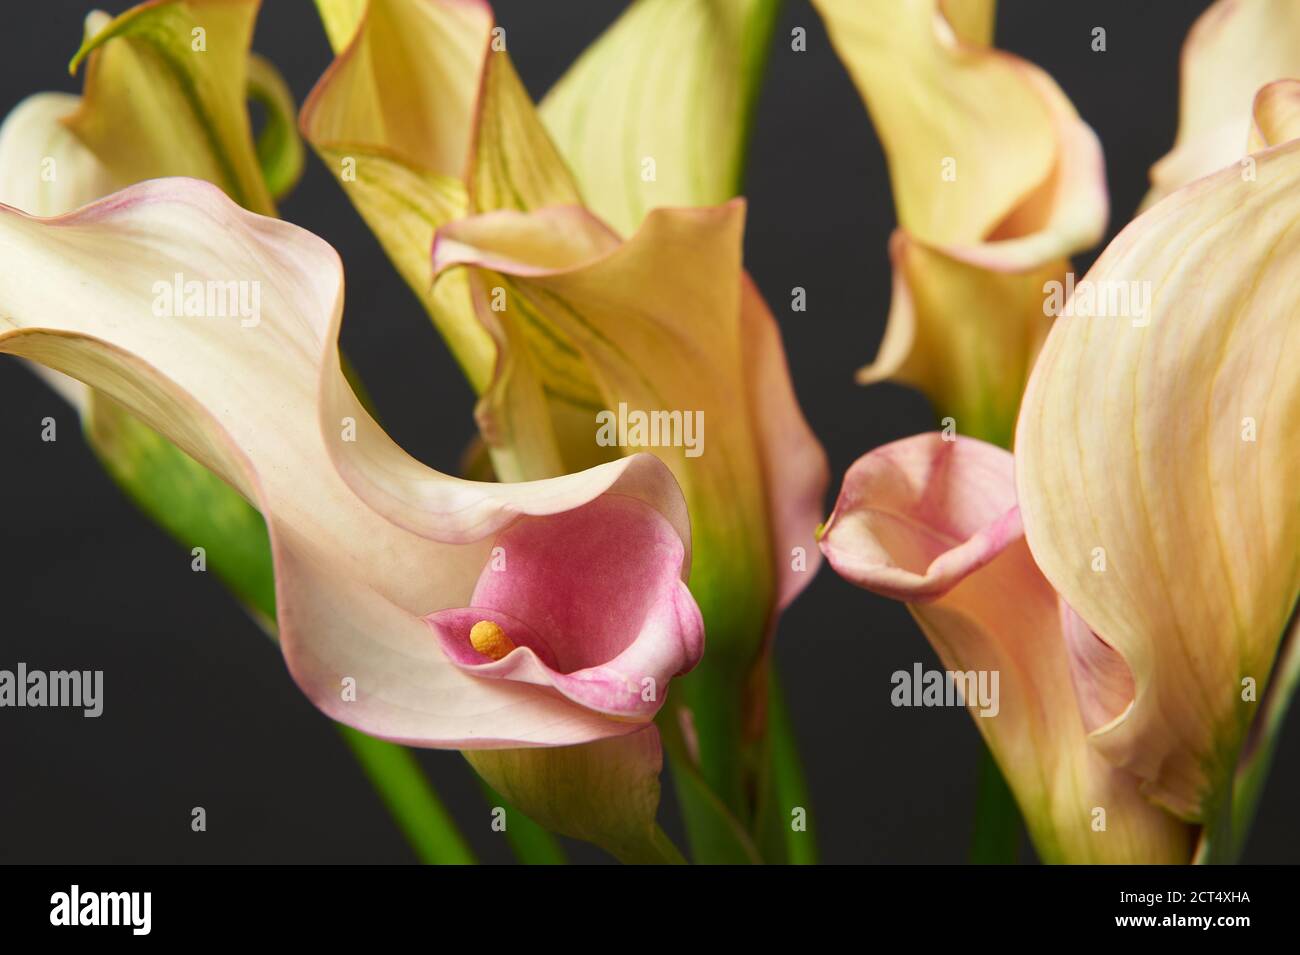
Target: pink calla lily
608 631
265 406
935 523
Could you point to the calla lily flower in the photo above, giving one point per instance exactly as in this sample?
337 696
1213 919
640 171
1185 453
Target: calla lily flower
166 91
1135 598
150 110
996 183
1233 52
562 320
935 523
1164 448
582 576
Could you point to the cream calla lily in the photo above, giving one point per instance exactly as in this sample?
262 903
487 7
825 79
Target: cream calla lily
1157 472
374 616
165 95
934 523
996 182
1235 48
557 320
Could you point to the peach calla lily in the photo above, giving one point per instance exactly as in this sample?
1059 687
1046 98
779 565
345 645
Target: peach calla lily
1166 448
996 182
935 523
374 613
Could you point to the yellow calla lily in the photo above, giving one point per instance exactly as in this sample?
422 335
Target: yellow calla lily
1234 49
996 182
557 321
1157 473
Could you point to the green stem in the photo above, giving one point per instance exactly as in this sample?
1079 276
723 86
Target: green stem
997 817
414 805
716 836
757 45
715 702
783 788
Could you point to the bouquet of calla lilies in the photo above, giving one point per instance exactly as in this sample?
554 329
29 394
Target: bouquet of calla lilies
1100 538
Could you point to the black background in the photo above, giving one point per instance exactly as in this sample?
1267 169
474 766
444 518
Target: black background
199 708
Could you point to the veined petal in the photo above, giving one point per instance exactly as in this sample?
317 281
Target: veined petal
654 113
1234 48
93 294
422 119
935 523
996 182
676 352
165 94
1157 473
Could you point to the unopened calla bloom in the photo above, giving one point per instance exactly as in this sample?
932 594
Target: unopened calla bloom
1157 470
996 183
166 93
566 324
934 523
382 566
1234 50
